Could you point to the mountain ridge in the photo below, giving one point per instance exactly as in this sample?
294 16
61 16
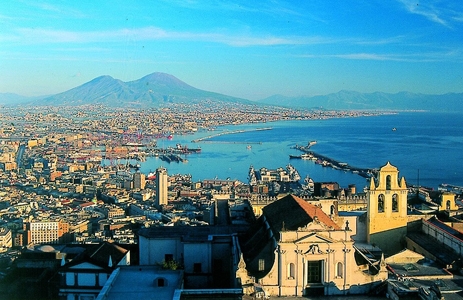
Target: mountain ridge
352 100
150 90
160 89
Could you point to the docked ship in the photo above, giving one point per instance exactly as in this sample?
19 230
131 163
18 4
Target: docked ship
309 184
293 173
307 156
252 176
185 149
302 156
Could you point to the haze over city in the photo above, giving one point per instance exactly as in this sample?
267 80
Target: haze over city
188 150
244 49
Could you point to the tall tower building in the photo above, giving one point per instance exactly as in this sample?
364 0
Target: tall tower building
161 186
139 181
387 210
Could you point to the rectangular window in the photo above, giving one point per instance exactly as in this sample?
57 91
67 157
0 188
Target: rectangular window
261 264
169 257
217 266
197 268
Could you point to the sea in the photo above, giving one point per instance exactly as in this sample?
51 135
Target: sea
426 147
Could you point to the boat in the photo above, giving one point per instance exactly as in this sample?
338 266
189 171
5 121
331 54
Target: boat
132 144
252 176
165 158
185 149
306 156
293 173
308 184
311 143
248 147
394 129
295 156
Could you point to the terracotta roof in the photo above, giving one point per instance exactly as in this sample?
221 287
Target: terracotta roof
314 211
292 212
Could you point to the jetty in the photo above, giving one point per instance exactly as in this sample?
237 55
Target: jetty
326 161
206 138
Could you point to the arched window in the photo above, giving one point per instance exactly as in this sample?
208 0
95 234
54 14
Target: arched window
447 205
291 271
332 210
339 270
160 282
380 203
388 182
395 204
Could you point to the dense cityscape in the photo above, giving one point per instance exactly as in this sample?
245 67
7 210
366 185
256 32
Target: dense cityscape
62 207
237 150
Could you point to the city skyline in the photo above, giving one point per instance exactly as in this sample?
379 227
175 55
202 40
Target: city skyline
247 50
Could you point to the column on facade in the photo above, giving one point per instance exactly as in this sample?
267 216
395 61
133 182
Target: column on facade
298 253
280 268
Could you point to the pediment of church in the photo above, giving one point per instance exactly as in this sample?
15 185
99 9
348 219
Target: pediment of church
86 265
314 238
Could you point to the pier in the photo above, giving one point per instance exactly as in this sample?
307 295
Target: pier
206 138
231 142
326 161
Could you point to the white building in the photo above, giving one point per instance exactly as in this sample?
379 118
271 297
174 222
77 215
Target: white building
5 238
298 250
84 276
208 255
161 186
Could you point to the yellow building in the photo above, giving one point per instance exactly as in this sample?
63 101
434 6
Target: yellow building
447 201
387 210
32 143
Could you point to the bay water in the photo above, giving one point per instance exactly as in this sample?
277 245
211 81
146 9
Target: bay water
426 147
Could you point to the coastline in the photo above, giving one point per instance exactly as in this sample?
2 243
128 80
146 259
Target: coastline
361 142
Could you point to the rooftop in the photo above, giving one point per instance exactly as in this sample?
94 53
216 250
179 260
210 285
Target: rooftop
141 282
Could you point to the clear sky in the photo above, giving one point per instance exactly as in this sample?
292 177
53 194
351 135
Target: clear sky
249 49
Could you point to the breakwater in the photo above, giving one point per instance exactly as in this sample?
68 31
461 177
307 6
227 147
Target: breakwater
326 161
207 138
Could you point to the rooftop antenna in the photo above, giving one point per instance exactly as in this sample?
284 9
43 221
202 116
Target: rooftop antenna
418 183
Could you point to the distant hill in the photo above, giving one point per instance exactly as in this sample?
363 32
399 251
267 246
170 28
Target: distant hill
12 99
350 100
161 89
154 89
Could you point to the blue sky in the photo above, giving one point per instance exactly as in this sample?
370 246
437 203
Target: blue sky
248 49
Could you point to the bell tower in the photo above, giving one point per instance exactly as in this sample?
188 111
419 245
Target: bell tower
387 210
